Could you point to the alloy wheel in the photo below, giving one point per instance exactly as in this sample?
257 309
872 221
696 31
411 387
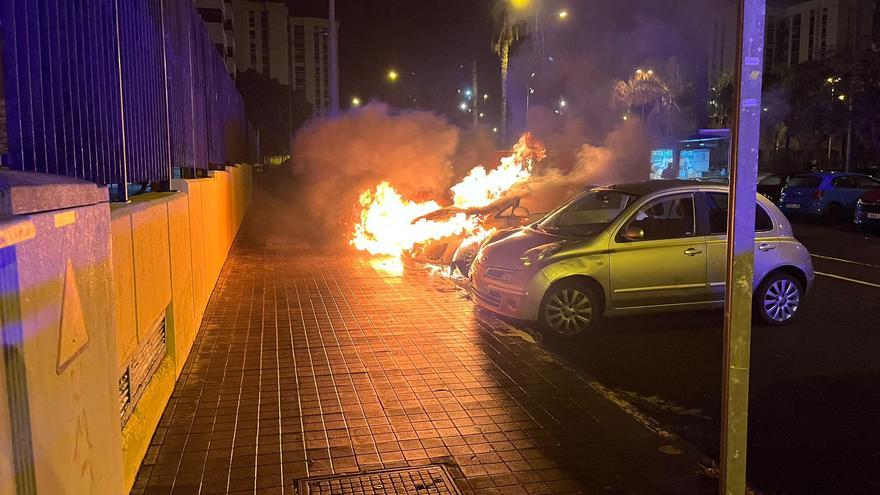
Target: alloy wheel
781 300
569 312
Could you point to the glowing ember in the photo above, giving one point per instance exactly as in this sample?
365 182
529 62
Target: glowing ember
390 225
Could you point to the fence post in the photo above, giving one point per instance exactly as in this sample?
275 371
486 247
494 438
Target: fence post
122 187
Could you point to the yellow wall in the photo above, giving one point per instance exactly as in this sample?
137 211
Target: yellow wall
168 249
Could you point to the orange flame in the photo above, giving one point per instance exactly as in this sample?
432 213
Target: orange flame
390 224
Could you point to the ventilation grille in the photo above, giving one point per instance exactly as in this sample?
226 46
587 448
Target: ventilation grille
140 369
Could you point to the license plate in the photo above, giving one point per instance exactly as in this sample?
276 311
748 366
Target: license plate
792 205
873 216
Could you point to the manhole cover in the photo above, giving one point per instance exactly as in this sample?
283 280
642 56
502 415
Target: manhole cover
434 480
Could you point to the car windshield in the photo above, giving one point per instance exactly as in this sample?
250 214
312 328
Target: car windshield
587 214
804 181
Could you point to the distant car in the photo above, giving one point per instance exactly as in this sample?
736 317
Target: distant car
633 248
829 195
770 185
868 210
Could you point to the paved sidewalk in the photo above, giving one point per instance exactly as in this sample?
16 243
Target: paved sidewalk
311 363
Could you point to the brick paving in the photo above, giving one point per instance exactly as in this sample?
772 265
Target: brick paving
310 362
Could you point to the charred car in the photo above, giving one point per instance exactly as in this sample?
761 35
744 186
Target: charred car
453 255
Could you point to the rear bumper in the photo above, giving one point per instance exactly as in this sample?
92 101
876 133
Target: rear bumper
790 207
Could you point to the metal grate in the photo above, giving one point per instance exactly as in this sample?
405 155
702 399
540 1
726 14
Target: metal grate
140 370
434 480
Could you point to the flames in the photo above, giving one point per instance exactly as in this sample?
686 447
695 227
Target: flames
390 225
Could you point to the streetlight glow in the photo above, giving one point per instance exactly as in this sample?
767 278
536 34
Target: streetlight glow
393 75
520 4
355 101
563 14
463 106
494 129
562 103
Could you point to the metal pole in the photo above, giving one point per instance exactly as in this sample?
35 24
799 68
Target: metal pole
745 140
475 91
334 66
849 139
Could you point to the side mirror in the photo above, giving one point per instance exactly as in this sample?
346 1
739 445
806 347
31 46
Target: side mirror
634 233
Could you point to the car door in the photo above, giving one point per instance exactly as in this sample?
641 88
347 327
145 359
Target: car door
667 265
766 242
846 191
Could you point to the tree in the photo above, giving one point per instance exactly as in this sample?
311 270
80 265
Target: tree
268 105
507 32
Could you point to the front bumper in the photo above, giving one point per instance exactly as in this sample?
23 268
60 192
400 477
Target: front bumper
867 214
520 300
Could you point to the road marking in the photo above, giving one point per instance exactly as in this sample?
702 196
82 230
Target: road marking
855 281
844 260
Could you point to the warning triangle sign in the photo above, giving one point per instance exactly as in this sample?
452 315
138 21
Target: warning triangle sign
73 335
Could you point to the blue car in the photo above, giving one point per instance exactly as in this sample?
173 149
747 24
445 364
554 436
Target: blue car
829 195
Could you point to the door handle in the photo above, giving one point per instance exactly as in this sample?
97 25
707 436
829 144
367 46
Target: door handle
766 247
692 251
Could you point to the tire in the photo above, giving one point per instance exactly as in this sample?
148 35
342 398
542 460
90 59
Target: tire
570 309
778 299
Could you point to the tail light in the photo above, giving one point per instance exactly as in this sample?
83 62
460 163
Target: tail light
818 194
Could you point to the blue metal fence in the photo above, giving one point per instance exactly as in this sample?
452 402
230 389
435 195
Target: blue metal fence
117 91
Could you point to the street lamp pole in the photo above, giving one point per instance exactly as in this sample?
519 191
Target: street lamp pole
745 140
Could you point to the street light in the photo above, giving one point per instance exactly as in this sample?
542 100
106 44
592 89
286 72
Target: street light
562 14
393 75
355 101
463 106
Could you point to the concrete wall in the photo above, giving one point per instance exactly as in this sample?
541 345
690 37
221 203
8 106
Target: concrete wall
90 284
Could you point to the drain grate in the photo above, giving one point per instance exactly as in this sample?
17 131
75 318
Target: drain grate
434 480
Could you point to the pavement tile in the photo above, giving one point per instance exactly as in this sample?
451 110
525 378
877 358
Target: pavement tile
310 362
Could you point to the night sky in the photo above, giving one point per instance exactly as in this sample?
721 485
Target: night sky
426 41
432 44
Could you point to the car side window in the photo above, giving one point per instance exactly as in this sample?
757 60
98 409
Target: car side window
869 183
771 180
716 207
846 182
670 217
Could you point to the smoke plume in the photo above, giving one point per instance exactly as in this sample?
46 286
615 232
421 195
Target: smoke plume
337 158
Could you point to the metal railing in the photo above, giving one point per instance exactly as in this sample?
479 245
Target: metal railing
118 92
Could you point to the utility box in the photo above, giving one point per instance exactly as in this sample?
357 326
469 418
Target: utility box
60 390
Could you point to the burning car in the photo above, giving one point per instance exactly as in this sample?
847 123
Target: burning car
453 254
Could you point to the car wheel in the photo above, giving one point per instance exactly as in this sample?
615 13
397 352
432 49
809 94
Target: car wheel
833 213
569 309
778 299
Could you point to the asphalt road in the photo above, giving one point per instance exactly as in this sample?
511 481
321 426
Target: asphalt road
815 385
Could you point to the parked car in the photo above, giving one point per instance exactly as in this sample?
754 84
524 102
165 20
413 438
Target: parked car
868 210
770 185
502 216
826 194
632 248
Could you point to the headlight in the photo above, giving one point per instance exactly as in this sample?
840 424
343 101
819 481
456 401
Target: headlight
538 253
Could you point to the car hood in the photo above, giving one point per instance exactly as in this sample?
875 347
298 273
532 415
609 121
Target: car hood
506 253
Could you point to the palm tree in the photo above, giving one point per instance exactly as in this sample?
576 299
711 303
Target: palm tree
507 32
643 89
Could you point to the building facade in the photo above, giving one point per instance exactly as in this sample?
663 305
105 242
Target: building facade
310 61
219 18
796 34
262 39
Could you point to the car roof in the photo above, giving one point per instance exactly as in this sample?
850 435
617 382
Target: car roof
830 173
655 185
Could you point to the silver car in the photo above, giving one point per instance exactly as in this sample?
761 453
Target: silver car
634 248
